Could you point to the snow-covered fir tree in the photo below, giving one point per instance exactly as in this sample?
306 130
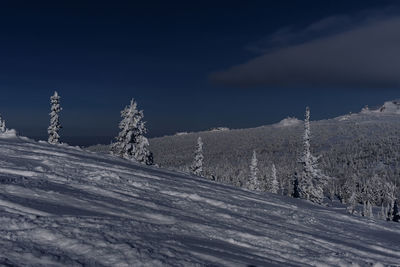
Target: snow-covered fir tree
253 183
396 212
370 192
312 181
131 143
296 189
55 125
351 208
3 128
368 210
387 195
197 165
383 213
274 186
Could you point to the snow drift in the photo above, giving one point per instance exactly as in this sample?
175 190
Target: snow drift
62 205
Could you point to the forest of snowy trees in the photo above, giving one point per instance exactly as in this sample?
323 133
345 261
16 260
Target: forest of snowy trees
354 159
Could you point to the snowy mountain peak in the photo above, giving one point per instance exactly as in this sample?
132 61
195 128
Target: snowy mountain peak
389 107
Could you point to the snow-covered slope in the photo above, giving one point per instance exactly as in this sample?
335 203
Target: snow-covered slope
61 205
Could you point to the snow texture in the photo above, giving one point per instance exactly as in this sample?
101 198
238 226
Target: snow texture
60 205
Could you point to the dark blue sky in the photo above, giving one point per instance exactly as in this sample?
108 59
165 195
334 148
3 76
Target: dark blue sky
190 64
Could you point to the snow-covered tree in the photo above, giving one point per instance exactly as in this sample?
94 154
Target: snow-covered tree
332 189
197 165
383 213
55 125
274 185
2 125
387 193
296 189
312 180
351 208
254 183
131 143
367 210
396 212
348 190
370 193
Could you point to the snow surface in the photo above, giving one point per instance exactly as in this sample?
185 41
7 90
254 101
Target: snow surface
63 206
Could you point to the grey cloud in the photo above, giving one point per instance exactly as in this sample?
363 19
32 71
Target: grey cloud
364 56
290 36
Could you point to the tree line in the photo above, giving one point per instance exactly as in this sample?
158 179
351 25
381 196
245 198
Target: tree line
312 184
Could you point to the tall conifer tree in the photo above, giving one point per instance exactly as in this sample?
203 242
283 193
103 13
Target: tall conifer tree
254 183
197 165
55 126
312 181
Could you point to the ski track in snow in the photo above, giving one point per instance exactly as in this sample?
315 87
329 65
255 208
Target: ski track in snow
60 205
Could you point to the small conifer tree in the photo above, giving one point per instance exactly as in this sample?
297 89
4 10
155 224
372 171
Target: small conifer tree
396 212
382 214
274 181
254 183
351 208
197 165
55 125
296 189
3 128
370 214
131 143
